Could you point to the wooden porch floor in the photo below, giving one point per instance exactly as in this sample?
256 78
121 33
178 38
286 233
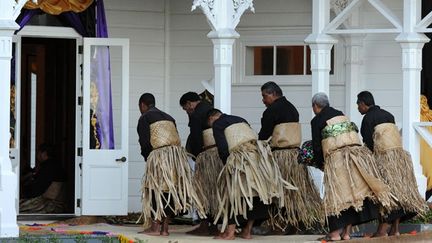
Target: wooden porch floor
177 234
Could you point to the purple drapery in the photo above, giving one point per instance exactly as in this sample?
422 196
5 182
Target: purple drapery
101 71
75 22
26 15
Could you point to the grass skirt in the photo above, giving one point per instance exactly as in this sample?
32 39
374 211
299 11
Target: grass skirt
351 176
396 169
207 168
168 172
303 206
250 171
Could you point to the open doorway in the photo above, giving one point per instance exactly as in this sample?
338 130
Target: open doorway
48 98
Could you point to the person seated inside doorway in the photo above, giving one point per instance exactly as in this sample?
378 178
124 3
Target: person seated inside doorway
42 187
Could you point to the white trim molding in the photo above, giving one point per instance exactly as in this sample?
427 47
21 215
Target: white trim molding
423 131
347 9
223 17
9 11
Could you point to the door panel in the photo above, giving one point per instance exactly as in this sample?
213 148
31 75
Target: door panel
105 126
14 144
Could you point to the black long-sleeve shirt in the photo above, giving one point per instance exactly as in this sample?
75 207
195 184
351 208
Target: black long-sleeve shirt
151 116
219 127
281 111
318 123
48 172
373 117
197 124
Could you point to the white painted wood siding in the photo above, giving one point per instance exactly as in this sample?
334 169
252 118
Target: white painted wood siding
144 24
382 62
191 60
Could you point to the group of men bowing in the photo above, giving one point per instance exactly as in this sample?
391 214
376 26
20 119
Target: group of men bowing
242 178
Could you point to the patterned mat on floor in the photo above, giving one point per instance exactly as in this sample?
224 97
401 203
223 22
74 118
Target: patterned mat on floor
56 231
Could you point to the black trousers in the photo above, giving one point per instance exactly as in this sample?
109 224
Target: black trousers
370 211
259 212
168 212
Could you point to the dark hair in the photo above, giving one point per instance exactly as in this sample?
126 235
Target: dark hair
147 99
271 87
48 148
213 112
366 97
189 96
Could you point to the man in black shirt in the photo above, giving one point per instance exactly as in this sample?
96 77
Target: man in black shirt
250 176
348 167
280 122
47 170
197 111
381 136
167 188
207 162
42 190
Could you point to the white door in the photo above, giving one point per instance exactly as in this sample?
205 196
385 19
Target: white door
14 144
105 147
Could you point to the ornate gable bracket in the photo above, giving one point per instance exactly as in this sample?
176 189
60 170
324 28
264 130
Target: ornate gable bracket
9 11
207 6
217 10
347 7
338 5
18 6
240 6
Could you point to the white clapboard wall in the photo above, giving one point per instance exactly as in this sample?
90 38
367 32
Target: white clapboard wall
171 54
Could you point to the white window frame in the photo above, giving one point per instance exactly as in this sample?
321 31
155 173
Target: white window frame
289 36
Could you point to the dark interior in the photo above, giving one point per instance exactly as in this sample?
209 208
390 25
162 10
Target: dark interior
54 63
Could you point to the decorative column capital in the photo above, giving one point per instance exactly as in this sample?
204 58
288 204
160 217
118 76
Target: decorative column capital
5 47
339 5
11 8
223 14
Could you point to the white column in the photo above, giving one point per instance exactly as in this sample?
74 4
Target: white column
8 179
9 11
321 45
222 60
321 65
223 17
353 75
412 45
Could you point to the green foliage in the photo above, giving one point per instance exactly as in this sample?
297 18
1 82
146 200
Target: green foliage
425 219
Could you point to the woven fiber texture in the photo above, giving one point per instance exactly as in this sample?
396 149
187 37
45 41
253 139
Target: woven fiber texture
250 171
168 171
238 134
347 138
208 165
386 136
396 168
286 135
350 176
303 206
163 133
208 138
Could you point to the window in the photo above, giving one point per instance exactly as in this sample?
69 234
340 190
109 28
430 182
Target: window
279 60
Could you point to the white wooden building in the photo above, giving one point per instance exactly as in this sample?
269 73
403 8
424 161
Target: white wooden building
168 50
